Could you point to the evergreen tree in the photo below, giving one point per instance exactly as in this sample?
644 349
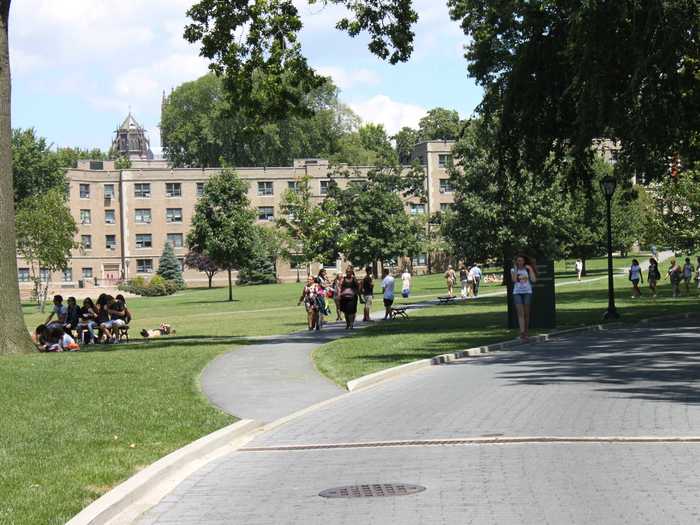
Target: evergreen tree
169 266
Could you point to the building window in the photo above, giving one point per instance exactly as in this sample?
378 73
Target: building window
144 265
44 274
142 190
265 188
144 240
84 191
175 240
87 273
325 184
173 215
444 160
110 217
420 260
143 215
293 185
181 260
68 275
109 191
110 242
97 165
266 213
446 186
417 208
200 189
445 207
85 217
23 275
173 189
86 242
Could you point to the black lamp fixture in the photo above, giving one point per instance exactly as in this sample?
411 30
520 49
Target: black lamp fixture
609 184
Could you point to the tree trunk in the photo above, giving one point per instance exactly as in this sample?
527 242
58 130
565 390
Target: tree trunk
583 264
14 337
230 286
210 276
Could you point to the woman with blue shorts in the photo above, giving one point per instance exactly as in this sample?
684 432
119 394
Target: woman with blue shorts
523 275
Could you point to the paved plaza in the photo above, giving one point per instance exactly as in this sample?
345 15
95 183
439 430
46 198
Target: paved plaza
634 383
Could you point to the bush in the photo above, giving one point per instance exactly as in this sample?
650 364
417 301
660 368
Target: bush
157 287
258 270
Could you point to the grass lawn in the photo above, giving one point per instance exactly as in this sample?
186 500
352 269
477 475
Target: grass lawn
444 329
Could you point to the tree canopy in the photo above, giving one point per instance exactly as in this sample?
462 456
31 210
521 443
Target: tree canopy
35 168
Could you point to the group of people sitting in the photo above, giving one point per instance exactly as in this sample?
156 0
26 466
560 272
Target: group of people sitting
93 322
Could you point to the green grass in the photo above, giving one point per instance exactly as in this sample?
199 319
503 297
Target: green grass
433 331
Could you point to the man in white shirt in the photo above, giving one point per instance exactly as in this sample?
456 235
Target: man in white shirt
388 289
475 273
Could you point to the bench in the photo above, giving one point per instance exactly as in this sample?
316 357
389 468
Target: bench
446 299
123 333
399 311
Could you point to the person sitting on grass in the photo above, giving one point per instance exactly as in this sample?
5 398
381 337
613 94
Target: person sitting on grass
88 320
72 316
59 341
59 310
41 337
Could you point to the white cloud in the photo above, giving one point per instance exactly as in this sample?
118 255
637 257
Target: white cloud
350 78
381 109
23 63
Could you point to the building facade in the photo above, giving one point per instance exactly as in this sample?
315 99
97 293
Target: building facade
126 216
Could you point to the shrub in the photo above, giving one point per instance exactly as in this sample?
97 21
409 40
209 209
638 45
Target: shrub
157 286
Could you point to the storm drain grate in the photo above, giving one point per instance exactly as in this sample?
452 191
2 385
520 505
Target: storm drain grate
375 490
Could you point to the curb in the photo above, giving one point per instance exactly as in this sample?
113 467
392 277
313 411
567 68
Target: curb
396 371
125 502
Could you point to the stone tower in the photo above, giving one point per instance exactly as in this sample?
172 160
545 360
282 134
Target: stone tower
131 141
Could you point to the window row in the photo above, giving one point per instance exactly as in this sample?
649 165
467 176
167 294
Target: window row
146 265
107 191
24 274
266 188
143 240
142 190
141 216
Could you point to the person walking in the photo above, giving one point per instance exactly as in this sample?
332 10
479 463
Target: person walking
463 279
635 275
308 297
405 283
476 272
523 276
688 271
674 275
323 285
653 275
450 277
367 294
336 297
388 291
349 292
697 273
579 269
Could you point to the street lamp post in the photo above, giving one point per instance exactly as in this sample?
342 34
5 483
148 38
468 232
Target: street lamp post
609 184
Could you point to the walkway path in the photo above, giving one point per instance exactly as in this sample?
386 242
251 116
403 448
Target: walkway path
634 383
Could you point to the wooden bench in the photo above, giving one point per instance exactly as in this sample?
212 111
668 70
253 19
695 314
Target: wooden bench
446 299
123 333
399 311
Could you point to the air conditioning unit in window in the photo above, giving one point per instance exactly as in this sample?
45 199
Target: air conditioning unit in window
442 190
168 194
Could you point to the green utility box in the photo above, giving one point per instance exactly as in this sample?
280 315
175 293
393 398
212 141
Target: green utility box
543 311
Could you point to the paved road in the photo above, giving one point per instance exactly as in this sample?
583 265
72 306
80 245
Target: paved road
634 383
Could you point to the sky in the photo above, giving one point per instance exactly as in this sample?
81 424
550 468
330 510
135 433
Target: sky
79 66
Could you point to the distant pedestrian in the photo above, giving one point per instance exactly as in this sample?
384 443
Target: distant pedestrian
635 275
697 273
450 278
653 275
464 281
322 285
349 295
367 294
523 275
674 275
336 297
476 272
388 291
405 283
579 269
308 297
688 271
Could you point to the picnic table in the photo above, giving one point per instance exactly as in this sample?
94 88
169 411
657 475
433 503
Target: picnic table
446 299
399 311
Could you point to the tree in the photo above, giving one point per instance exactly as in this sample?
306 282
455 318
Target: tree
14 337
45 237
202 263
405 140
313 228
69 157
677 202
440 124
261 268
169 267
223 225
35 168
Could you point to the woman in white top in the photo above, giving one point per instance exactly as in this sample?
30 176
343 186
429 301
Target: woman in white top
523 275
579 268
405 283
636 278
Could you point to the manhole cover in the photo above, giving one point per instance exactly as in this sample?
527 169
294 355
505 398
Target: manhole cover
378 490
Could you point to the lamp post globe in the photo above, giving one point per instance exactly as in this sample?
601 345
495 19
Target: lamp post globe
608 185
